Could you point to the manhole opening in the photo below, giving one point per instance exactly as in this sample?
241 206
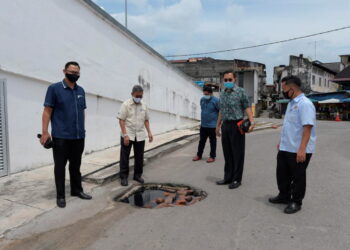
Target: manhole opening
162 196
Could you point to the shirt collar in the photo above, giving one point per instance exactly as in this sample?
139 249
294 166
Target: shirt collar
298 98
233 89
131 102
66 86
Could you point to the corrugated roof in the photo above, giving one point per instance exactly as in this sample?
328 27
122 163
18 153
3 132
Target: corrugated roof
321 66
343 76
335 66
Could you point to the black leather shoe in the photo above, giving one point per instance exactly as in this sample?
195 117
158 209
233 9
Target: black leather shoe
278 200
139 180
292 208
61 202
222 182
234 185
124 182
82 195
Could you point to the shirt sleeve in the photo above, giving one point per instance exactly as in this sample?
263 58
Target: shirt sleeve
84 100
244 100
201 103
307 114
123 112
217 105
147 114
50 98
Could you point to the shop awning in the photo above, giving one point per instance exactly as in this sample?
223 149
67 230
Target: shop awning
346 100
329 101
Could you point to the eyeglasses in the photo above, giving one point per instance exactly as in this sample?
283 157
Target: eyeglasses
228 80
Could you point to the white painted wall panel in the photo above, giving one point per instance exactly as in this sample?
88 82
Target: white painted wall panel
43 35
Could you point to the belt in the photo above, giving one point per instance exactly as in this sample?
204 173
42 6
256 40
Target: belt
232 121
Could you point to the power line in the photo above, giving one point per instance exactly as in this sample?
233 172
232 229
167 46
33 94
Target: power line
261 45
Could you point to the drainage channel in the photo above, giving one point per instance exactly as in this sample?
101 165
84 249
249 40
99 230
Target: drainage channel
161 195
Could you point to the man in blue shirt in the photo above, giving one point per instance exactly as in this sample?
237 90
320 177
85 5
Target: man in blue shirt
65 107
297 144
209 116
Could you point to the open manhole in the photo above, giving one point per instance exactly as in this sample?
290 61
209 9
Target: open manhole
161 196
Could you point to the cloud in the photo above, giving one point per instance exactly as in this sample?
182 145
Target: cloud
190 26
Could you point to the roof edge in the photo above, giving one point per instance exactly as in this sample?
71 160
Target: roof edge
131 35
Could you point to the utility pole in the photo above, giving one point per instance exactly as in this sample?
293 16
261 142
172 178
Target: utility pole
126 13
315 50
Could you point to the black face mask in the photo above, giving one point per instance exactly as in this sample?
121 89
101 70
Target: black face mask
286 94
72 77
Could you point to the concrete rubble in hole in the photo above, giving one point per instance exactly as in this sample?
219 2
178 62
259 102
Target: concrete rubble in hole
172 196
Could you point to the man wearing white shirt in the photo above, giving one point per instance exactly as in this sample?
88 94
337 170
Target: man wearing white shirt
296 146
133 119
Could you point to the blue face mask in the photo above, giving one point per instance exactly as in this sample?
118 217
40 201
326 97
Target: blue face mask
207 97
137 100
229 85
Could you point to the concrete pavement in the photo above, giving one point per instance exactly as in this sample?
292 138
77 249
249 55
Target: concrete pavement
26 195
226 219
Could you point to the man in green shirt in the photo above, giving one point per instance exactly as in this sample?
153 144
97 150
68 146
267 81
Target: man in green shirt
233 104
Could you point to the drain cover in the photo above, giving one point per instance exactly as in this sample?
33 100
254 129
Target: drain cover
161 196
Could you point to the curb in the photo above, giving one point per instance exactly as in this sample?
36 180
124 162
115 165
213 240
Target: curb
111 171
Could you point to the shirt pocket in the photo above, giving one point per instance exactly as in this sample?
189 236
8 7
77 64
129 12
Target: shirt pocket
142 114
293 115
81 101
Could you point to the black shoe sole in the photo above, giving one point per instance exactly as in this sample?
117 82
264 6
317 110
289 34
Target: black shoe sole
124 184
61 205
222 183
234 187
293 211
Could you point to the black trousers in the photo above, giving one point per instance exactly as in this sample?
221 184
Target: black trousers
63 151
139 149
291 176
233 145
204 134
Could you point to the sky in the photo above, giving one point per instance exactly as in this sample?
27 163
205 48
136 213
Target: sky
191 26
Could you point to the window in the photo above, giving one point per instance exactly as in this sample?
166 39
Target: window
325 82
313 80
320 81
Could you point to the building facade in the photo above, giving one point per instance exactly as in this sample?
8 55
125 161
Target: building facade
316 76
251 75
41 38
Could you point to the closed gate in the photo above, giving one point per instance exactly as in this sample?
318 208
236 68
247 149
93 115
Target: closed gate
4 168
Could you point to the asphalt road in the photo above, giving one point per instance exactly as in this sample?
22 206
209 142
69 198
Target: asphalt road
226 219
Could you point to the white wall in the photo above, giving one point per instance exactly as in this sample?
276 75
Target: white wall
43 36
325 78
251 85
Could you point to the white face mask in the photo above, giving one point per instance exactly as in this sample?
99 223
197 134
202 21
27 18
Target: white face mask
137 100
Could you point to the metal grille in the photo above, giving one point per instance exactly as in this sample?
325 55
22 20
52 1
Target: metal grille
3 131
